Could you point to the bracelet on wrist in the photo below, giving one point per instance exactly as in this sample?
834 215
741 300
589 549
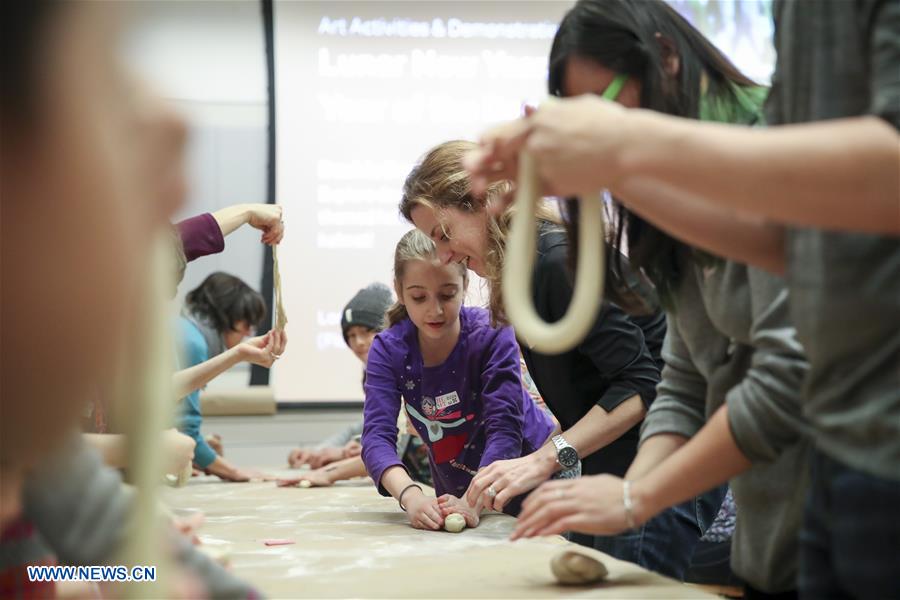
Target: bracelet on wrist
407 488
629 505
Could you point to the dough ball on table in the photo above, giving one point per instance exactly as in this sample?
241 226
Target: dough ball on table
454 523
306 483
575 568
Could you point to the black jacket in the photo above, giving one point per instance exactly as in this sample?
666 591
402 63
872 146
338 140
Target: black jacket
609 366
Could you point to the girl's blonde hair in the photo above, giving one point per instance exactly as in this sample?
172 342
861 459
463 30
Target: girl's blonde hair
440 181
414 245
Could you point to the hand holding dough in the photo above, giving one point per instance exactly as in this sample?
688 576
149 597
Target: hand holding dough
454 523
574 568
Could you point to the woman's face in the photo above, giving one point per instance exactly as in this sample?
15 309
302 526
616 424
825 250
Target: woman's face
432 294
460 236
90 182
236 334
586 76
359 339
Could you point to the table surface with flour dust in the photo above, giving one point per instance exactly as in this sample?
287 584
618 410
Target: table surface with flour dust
350 542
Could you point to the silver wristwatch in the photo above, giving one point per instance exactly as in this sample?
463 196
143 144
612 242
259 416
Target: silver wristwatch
566 455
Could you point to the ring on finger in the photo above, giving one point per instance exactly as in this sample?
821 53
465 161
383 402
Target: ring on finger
491 492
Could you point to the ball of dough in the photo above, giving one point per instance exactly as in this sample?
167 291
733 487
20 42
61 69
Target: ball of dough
454 523
306 483
574 568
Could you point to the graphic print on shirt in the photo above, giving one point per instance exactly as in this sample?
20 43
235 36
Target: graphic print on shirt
444 448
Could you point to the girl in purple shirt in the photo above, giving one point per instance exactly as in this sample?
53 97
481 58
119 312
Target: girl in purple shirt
460 379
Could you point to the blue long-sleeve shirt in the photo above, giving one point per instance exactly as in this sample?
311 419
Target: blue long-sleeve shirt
470 411
194 350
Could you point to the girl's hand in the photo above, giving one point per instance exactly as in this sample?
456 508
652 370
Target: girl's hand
351 449
325 456
316 478
242 475
299 457
592 505
423 511
228 472
313 457
268 219
508 479
450 504
577 143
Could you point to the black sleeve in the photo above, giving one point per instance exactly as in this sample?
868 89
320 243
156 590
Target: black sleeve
615 344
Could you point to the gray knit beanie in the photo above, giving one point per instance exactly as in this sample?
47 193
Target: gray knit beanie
367 308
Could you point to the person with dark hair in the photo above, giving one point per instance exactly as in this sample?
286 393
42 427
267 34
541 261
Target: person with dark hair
338 457
362 318
815 197
218 315
730 343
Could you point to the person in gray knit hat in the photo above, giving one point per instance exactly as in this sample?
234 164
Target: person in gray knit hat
363 317
361 320
338 457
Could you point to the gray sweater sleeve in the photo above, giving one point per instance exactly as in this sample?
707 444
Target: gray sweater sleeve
79 505
680 405
340 439
81 510
764 409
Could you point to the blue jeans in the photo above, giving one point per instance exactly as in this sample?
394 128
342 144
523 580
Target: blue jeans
665 543
850 538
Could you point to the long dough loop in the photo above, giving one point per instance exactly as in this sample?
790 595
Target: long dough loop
521 250
280 316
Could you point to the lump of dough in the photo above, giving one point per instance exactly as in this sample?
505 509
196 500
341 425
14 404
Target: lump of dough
574 568
454 523
306 483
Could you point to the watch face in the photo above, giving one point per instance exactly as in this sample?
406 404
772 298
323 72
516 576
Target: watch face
568 457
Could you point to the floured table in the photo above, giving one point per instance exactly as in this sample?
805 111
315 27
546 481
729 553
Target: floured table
350 542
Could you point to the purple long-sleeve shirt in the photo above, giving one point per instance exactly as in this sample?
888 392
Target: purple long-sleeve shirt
200 236
470 411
